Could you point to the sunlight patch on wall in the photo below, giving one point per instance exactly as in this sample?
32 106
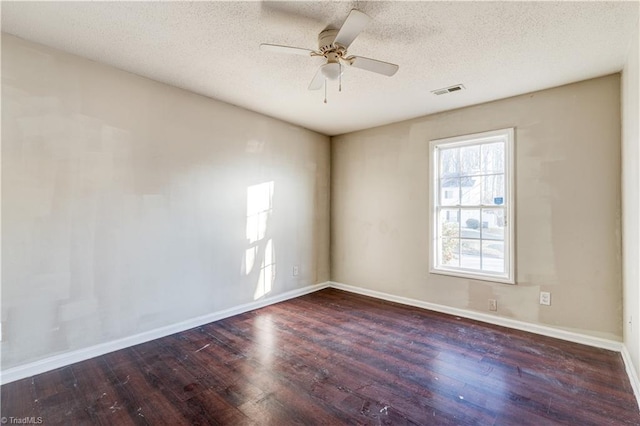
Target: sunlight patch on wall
259 206
250 259
260 250
267 272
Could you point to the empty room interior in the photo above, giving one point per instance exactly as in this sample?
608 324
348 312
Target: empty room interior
320 213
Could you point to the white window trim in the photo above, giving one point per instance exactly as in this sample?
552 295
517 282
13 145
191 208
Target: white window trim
471 139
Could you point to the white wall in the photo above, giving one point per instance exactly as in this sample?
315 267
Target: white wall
567 149
631 201
124 204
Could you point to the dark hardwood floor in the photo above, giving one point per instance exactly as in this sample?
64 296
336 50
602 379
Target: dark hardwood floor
332 358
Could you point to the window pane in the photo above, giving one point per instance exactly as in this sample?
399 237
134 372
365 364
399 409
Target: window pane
471 188
492 158
470 222
450 191
493 256
449 223
470 254
470 160
493 190
450 252
471 179
449 162
493 224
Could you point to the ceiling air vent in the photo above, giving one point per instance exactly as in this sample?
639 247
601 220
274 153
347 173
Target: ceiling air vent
448 89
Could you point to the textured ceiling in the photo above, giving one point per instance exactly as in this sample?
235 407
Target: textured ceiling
496 49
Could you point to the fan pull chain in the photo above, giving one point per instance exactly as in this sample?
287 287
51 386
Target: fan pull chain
340 79
325 90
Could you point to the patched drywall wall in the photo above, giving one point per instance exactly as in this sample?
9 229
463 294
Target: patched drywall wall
631 200
129 205
567 150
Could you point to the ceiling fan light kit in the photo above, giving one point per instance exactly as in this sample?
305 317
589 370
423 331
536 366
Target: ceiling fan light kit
331 71
333 45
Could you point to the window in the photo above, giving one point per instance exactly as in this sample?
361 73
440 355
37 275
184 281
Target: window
472 206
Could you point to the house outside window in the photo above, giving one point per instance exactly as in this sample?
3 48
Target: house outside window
472 206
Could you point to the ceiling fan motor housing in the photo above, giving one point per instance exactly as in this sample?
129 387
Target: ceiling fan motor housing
325 40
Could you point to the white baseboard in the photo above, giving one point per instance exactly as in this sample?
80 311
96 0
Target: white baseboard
631 372
67 358
491 319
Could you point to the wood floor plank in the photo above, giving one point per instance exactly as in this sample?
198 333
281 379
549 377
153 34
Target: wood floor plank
331 358
20 398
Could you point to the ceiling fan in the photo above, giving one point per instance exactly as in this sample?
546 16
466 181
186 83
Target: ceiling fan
333 45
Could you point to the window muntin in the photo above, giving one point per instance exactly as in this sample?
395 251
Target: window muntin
472 206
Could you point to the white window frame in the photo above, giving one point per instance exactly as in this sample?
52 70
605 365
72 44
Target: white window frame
507 136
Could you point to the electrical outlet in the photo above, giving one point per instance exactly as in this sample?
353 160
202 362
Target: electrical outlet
296 271
493 305
545 298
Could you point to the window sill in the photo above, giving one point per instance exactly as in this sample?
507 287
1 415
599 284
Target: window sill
501 279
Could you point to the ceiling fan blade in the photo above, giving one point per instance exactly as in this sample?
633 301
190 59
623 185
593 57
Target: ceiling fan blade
373 65
318 80
285 49
353 25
